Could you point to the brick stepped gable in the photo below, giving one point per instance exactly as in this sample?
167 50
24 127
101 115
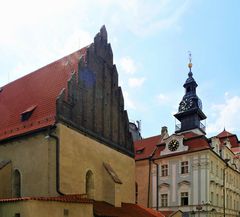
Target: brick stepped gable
93 102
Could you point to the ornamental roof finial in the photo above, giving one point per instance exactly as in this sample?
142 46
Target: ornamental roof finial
190 63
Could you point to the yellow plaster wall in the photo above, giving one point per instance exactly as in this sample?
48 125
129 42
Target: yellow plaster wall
79 153
5 181
34 157
45 208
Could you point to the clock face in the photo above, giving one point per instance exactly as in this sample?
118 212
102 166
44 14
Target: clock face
173 145
185 105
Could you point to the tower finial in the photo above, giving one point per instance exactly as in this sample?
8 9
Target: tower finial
190 60
190 74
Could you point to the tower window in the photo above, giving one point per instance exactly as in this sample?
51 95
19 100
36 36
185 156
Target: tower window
188 89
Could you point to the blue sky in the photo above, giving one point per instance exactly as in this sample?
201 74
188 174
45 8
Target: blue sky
150 41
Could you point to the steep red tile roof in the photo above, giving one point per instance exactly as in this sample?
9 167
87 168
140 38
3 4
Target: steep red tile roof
152 146
147 146
37 90
197 143
224 133
167 213
236 150
231 137
126 210
75 198
154 212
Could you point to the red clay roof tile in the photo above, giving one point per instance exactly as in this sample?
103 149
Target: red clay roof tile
126 210
224 133
75 198
167 213
40 88
153 146
147 146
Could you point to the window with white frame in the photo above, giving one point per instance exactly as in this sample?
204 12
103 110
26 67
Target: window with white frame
164 169
164 200
184 198
184 167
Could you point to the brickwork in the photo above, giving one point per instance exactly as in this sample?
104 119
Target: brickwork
93 101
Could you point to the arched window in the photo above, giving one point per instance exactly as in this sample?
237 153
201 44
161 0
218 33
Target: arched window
90 185
16 183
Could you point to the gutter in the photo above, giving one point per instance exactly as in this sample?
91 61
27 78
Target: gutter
57 161
157 183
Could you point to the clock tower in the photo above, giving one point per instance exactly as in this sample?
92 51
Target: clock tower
190 112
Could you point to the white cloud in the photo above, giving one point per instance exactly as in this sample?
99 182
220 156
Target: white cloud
136 82
225 115
128 65
77 40
34 33
162 99
129 103
146 17
168 99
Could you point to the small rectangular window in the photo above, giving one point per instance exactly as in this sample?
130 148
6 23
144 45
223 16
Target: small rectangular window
164 169
184 167
164 200
17 215
184 198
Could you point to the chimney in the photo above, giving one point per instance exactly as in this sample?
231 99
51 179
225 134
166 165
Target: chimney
164 132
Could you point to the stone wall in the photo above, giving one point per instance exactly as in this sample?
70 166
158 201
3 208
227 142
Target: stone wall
80 154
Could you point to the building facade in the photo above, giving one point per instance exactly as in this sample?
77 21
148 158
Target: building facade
64 140
188 171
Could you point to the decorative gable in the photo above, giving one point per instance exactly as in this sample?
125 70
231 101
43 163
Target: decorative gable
174 144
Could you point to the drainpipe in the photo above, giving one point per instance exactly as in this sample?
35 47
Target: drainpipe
157 182
149 180
57 161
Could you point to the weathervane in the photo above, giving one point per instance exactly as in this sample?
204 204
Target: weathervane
190 60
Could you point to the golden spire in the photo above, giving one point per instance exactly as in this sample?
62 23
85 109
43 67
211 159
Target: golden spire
190 61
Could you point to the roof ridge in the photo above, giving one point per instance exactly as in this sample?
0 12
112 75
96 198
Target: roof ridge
40 68
150 137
